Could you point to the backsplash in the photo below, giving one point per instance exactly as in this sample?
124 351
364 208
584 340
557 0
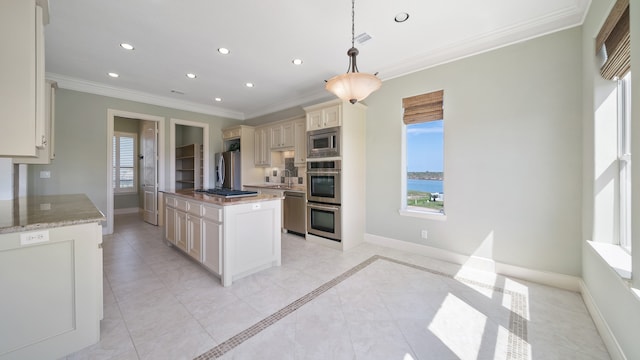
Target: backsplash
279 175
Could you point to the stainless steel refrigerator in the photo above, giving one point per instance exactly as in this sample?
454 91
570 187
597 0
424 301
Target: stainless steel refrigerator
228 170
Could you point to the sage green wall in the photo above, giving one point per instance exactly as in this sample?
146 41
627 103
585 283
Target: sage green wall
513 165
187 135
619 308
81 143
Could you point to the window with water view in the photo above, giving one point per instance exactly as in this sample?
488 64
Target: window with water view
424 140
425 159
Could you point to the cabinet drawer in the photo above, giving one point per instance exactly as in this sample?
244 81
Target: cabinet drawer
211 213
171 201
181 205
194 208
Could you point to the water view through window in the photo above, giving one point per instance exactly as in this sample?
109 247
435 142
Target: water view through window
425 166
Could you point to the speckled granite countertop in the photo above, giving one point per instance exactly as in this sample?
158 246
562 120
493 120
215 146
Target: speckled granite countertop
280 187
40 212
219 200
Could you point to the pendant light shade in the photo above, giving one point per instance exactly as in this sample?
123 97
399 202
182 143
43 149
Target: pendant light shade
353 86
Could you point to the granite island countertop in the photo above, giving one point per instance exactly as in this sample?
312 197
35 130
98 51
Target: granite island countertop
220 200
47 211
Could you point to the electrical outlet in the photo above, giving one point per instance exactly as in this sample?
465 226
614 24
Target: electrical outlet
34 237
45 174
424 234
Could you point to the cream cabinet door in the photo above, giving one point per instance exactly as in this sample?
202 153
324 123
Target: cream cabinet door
212 245
314 120
288 135
331 116
170 225
276 136
22 127
194 237
262 150
181 230
300 143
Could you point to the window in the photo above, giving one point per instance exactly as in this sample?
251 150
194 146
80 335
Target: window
124 162
423 178
624 159
613 50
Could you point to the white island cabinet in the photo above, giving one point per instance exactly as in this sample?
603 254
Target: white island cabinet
232 238
50 276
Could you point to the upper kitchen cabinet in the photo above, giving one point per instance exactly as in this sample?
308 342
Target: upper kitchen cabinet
262 148
324 115
232 133
45 154
300 146
282 135
22 93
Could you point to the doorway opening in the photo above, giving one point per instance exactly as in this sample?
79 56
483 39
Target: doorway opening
135 162
189 155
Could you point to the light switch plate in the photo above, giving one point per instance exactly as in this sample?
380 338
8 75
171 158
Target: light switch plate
45 174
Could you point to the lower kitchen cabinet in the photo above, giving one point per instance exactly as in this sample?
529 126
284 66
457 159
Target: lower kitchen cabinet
51 281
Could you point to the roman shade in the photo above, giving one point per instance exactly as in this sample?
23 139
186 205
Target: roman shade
613 43
423 108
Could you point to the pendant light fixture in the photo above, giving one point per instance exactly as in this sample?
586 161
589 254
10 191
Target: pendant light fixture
353 86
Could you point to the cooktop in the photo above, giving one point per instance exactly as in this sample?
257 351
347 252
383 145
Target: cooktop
227 193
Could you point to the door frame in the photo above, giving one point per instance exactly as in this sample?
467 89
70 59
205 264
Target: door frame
172 149
111 114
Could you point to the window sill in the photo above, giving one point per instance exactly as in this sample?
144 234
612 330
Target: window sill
618 259
422 214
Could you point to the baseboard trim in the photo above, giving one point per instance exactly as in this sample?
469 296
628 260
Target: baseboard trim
126 211
561 281
615 351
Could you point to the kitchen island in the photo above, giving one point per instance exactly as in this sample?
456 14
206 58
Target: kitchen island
231 237
50 276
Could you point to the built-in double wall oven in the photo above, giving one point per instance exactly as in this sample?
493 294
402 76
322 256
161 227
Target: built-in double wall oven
324 199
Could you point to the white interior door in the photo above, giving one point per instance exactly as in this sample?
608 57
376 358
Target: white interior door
149 147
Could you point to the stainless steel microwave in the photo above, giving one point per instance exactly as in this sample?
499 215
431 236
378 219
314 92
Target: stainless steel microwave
323 143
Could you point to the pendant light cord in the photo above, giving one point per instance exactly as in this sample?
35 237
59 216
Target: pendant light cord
353 22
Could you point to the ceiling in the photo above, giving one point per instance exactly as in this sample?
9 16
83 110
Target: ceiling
173 38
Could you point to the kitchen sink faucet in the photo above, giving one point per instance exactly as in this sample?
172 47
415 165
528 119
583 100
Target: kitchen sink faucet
289 182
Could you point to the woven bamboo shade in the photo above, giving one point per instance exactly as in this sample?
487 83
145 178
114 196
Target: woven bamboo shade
615 37
423 108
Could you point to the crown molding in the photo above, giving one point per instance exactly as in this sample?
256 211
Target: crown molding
91 87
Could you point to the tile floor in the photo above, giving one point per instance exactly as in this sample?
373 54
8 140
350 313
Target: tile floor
367 303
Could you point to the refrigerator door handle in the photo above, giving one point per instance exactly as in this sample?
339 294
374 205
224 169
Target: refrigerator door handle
221 170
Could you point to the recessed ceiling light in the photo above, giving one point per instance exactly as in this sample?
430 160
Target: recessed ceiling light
191 76
401 17
218 99
126 46
297 61
249 85
113 75
223 51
